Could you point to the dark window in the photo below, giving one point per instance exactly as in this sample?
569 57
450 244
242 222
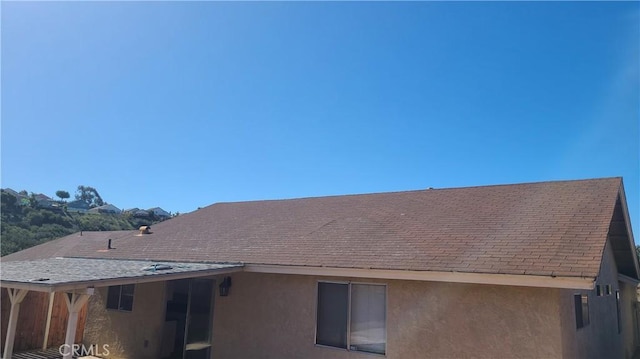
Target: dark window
333 301
607 289
599 291
581 302
352 316
120 297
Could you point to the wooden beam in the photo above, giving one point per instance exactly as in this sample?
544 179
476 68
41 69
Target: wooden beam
74 304
48 324
15 296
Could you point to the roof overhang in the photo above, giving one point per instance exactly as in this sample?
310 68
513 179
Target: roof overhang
432 276
630 240
77 274
74 274
628 280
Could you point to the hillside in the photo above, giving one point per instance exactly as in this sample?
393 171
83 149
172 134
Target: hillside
26 225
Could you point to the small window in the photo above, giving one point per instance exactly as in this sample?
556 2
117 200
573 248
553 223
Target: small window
618 311
607 289
599 291
352 316
120 297
581 302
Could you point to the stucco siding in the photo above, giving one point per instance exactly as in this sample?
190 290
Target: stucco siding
136 334
273 316
628 300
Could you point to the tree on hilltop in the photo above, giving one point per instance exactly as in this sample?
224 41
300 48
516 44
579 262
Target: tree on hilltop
62 195
89 195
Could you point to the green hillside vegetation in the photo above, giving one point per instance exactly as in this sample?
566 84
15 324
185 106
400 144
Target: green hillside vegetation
26 225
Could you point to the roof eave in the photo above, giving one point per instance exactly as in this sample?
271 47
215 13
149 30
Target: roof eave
627 219
79 285
432 276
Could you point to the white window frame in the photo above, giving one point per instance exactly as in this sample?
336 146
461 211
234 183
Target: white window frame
349 283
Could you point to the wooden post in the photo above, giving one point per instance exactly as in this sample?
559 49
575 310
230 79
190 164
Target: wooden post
15 296
48 325
74 301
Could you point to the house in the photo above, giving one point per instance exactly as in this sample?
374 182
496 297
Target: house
45 201
78 206
160 213
137 212
534 270
21 198
107 208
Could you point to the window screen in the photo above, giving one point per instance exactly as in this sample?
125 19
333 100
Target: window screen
332 315
113 297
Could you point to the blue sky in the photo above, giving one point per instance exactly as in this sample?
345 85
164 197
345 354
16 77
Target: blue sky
181 105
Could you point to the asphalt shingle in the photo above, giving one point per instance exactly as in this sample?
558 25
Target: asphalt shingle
547 228
53 271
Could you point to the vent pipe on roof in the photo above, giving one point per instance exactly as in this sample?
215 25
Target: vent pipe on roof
145 230
109 244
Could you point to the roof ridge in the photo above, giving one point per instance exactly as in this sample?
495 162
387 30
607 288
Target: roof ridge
417 190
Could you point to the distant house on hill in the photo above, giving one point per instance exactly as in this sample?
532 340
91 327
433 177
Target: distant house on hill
45 201
137 212
22 199
146 213
159 212
77 206
107 208
11 192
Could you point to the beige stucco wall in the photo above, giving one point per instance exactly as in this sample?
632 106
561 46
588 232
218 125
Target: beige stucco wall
628 300
126 333
599 339
273 316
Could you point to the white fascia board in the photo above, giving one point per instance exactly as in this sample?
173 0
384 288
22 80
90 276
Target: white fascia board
431 276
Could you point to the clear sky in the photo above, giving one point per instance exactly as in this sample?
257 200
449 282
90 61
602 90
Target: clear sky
181 105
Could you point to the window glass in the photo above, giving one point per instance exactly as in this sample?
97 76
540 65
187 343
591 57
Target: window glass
120 297
128 289
581 302
200 311
585 309
618 311
368 318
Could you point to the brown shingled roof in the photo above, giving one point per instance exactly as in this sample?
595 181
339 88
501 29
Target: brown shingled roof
549 228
